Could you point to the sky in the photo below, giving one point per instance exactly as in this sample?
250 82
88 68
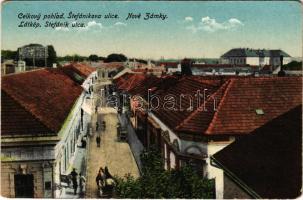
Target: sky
205 29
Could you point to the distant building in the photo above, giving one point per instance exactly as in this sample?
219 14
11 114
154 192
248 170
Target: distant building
134 63
8 67
33 54
14 67
171 67
256 57
121 73
221 69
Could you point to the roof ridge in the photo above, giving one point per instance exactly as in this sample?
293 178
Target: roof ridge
197 110
138 77
131 83
27 110
196 80
210 127
24 72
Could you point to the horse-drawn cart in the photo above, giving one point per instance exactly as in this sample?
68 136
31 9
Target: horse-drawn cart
106 190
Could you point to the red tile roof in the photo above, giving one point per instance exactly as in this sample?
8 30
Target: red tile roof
16 120
183 86
236 102
141 88
120 80
81 69
269 160
199 120
112 65
168 64
237 111
129 81
142 70
47 94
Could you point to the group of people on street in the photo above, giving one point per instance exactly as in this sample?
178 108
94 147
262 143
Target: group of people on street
82 181
101 177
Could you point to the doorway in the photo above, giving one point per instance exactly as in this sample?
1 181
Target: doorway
24 185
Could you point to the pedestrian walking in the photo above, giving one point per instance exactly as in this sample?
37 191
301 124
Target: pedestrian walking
98 140
103 125
99 179
103 177
107 174
97 126
82 182
74 175
96 109
83 143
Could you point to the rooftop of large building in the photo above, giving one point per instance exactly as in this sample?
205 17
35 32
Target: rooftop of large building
78 71
247 52
245 104
39 101
232 105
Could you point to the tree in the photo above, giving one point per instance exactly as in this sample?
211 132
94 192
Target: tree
65 58
78 58
116 58
293 65
156 182
93 58
101 58
52 56
8 55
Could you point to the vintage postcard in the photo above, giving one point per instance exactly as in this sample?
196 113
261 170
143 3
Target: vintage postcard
151 99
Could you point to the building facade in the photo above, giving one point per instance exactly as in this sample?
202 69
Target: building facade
189 132
36 51
255 57
44 121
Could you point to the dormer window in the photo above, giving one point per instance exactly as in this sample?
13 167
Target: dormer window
259 111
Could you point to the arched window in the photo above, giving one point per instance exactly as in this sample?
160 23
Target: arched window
194 149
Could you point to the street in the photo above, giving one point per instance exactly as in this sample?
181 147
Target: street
117 156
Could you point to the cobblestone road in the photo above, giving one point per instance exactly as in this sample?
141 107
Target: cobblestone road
117 156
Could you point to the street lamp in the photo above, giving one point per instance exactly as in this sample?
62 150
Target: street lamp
32 53
101 97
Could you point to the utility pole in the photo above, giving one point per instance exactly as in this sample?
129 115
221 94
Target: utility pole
34 57
45 54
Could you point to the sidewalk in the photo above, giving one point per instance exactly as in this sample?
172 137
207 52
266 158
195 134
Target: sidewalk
79 164
133 141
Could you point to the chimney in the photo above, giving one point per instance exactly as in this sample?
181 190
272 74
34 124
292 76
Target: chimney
281 61
281 72
186 65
